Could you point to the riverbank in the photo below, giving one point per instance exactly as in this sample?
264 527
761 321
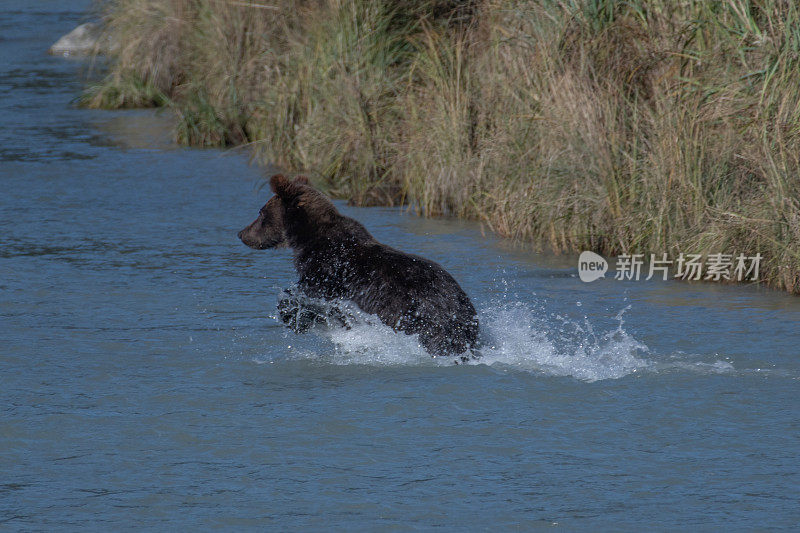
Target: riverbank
636 127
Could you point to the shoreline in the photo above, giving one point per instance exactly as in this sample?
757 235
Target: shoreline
632 129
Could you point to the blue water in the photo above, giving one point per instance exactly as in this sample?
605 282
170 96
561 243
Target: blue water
144 382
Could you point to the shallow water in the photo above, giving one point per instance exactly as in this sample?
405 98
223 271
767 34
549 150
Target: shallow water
145 382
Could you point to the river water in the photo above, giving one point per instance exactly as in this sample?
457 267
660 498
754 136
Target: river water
145 383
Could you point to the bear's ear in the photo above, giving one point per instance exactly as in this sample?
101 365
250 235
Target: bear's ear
301 180
281 186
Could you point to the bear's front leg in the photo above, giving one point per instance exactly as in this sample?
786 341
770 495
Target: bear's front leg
299 313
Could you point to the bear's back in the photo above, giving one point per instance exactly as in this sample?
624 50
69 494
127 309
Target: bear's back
407 292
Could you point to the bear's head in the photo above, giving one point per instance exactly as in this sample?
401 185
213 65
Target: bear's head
293 211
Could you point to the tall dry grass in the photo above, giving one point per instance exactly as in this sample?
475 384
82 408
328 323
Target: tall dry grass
637 126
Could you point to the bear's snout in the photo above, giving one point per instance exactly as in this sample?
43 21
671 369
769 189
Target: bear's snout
258 239
246 236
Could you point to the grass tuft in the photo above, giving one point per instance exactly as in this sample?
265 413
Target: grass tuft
622 127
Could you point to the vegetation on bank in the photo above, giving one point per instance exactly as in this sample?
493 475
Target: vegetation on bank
616 126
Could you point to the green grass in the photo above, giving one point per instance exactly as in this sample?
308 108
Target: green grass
621 127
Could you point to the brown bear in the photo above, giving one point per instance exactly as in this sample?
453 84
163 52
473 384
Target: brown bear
336 257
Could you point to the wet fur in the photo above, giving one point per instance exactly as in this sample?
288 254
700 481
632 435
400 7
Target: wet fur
336 257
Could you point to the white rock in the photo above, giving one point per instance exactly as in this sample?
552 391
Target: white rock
81 41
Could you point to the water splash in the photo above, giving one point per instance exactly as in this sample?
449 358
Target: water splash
514 336
522 337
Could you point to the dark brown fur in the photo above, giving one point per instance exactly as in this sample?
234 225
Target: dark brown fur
336 257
